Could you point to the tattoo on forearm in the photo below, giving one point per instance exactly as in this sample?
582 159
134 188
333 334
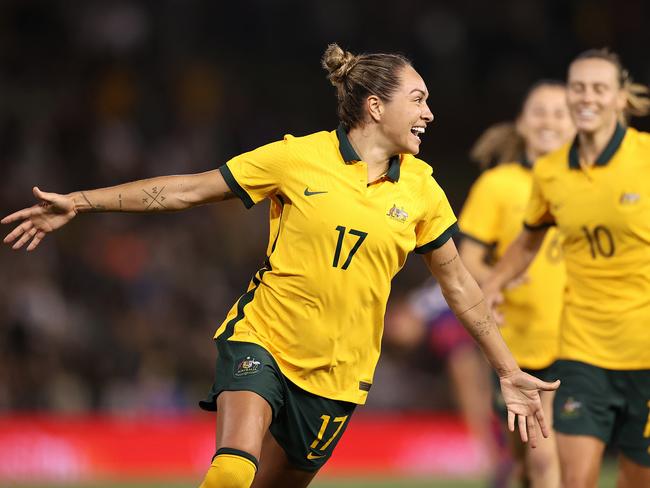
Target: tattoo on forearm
154 198
472 307
449 261
91 205
482 327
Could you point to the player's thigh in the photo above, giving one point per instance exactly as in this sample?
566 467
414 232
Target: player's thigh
248 390
580 460
243 419
275 469
632 474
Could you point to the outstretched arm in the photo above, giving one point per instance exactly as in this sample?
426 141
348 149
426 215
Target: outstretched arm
164 193
520 390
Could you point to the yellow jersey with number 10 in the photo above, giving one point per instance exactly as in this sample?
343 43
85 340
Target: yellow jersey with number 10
335 244
493 215
603 213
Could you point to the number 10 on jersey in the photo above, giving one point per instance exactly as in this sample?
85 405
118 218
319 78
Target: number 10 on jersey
360 235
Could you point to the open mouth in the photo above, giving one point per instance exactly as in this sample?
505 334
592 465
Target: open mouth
417 131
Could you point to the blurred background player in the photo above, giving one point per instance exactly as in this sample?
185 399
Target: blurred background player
596 190
491 219
297 352
422 323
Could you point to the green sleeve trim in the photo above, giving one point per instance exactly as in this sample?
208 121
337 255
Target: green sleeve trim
438 241
235 187
543 225
483 243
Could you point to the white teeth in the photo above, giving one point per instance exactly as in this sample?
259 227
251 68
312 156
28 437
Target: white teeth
417 130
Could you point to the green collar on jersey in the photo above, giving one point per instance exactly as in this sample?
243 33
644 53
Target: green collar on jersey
607 154
351 156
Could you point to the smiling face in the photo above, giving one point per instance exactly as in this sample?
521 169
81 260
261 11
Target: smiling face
544 122
405 117
595 96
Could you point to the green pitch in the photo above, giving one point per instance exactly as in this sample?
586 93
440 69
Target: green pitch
607 480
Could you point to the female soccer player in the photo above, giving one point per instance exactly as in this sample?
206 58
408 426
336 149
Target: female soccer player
490 221
596 190
297 352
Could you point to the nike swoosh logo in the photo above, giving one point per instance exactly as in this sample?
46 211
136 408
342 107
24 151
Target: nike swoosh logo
310 193
311 456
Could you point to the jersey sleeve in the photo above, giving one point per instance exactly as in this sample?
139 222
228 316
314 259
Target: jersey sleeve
257 174
538 214
481 217
438 222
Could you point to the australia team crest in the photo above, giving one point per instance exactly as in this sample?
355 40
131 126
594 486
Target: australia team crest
247 367
397 213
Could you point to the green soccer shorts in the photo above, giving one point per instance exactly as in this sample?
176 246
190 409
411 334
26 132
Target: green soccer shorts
611 405
306 426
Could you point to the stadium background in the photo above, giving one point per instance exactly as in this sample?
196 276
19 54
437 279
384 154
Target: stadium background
113 315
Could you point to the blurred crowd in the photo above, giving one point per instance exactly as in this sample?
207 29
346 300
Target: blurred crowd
116 312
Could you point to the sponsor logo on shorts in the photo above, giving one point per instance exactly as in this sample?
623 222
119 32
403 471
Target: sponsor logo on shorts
571 408
311 456
247 367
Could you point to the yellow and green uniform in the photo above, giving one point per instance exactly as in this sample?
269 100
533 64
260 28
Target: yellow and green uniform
603 213
335 244
493 215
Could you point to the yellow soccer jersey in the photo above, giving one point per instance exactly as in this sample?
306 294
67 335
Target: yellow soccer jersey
336 242
603 213
493 215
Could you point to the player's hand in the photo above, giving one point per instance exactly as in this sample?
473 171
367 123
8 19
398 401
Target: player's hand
521 395
493 299
520 280
52 212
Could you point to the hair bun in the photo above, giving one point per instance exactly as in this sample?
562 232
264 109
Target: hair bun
338 63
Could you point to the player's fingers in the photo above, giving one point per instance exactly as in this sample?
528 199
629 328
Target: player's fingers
24 238
541 420
532 431
36 241
19 215
546 386
521 420
511 421
18 231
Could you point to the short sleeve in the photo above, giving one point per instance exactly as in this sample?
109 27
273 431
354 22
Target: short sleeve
538 214
438 222
481 218
256 175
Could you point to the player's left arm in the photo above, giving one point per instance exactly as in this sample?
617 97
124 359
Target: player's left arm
465 298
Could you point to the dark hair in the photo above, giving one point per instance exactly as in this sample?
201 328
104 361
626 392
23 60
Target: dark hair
502 143
358 76
638 103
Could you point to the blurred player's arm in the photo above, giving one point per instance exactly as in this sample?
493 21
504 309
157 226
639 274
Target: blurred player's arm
475 256
163 193
513 263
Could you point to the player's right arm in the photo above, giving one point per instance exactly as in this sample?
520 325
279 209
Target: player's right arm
163 193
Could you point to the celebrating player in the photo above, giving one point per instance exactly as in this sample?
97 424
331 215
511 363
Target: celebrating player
596 190
297 352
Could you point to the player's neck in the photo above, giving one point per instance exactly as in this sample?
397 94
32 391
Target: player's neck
368 146
592 144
